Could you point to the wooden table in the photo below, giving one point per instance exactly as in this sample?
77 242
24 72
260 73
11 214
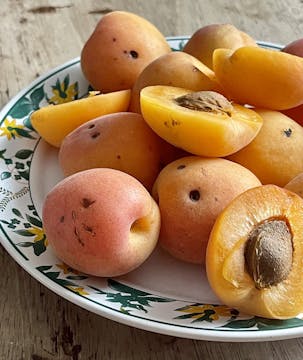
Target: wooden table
37 35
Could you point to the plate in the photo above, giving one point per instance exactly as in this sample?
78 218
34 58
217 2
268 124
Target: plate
164 295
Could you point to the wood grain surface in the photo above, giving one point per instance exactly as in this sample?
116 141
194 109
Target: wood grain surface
37 35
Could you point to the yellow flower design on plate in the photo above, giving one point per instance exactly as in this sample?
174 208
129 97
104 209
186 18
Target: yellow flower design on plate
206 312
10 129
63 92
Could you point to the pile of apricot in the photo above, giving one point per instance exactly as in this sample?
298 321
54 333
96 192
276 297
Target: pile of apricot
214 135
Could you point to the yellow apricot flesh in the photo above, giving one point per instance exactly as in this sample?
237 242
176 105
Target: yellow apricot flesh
260 77
204 133
54 122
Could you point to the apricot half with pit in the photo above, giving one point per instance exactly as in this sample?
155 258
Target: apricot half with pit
202 123
254 258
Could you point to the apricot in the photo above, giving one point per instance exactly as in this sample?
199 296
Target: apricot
294 48
260 77
120 47
275 154
296 185
174 69
102 222
191 192
121 141
295 113
202 123
205 40
254 258
54 122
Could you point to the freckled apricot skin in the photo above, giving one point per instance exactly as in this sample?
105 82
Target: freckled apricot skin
260 77
225 262
191 192
119 48
210 37
102 222
275 154
121 141
199 133
174 69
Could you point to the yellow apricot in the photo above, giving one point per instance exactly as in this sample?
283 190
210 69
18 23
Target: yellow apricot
54 122
260 77
275 154
203 123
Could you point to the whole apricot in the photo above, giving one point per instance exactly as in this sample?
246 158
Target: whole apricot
191 192
275 154
254 258
174 69
205 40
120 47
121 141
202 123
102 222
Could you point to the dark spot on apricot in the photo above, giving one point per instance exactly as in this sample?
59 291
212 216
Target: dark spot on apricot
62 219
288 132
73 215
85 202
95 135
194 195
89 229
114 39
118 157
78 236
91 126
180 167
134 54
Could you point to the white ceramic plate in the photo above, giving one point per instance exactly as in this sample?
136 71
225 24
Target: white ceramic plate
163 295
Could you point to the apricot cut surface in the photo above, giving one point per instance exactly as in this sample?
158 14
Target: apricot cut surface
54 122
260 77
254 258
203 123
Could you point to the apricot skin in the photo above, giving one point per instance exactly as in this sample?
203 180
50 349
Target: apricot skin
260 77
191 192
102 222
205 40
275 154
121 141
174 69
225 261
112 58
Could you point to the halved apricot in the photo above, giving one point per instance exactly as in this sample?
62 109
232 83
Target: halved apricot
254 258
54 122
202 123
260 77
